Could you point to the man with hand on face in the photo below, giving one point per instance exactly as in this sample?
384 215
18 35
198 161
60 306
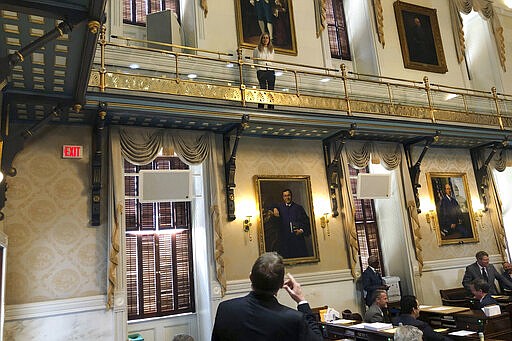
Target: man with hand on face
259 316
294 227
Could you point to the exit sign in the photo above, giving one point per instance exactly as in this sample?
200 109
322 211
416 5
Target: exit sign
72 152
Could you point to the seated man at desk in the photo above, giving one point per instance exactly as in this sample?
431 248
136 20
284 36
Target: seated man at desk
378 311
409 312
482 269
480 289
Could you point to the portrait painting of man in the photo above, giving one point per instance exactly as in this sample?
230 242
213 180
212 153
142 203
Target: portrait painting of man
455 220
420 37
274 17
287 219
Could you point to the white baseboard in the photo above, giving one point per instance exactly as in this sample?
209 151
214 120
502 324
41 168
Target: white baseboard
57 307
455 263
323 277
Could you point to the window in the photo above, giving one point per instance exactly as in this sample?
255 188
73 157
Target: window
158 249
337 30
135 11
366 224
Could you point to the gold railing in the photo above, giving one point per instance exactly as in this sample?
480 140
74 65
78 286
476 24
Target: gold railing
185 71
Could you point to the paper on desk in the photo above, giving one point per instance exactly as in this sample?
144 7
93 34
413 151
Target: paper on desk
440 330
391 330
440 308
462 333
342 321
359 325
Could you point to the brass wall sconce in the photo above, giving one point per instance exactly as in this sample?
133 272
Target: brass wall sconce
478 215
430 216
247 226
324 223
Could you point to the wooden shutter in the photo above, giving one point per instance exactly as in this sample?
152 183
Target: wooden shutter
158 250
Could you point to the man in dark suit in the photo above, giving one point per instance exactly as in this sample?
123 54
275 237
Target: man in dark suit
482 269
372 280
259 316
480 290
409 312
294 227
507 270
378 311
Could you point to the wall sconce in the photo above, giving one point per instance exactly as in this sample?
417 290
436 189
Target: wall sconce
478 214
324 223
430 216
247 226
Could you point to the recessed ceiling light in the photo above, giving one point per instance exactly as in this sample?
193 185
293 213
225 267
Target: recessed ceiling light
286 89
279 73
134 66
230 65
192 75
450 96
325 80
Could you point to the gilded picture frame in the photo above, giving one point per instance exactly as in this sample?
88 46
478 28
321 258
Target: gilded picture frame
270 15
454 219
287 229
420 38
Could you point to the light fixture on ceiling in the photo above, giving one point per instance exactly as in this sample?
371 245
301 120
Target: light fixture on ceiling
134 66
325 80
279 73
192 76
450 96
230 65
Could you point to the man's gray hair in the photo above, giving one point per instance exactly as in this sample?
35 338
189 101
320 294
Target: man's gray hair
183 337
408 333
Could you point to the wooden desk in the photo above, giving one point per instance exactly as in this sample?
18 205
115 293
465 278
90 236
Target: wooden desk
460 318
333 331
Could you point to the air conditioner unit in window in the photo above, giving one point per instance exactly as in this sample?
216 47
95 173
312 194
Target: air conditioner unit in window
373 186
164 185
163 27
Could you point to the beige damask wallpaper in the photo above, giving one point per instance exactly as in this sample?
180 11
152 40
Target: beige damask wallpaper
270 156
53 252
459 161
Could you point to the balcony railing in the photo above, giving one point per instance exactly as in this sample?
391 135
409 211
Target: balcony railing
167 69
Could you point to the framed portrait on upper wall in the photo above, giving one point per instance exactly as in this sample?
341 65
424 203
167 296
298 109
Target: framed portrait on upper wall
420 38
454 220
254 17
287 218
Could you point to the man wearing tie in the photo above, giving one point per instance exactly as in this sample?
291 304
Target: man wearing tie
372 280
482 269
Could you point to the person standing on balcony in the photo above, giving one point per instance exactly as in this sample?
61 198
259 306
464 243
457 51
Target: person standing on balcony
263 54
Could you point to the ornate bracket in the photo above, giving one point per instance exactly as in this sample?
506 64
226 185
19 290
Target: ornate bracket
229 165
12 145
96 162
332 166
414 170
482 179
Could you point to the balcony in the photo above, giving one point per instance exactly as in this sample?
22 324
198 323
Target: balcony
164 85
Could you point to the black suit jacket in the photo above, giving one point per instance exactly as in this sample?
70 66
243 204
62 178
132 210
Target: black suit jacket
428 333
260 317
371 282
473 272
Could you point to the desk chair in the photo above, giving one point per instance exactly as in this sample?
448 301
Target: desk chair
455 297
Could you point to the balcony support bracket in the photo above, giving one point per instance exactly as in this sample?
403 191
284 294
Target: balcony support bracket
229 163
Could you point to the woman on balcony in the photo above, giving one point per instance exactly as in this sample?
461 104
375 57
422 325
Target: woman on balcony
263 54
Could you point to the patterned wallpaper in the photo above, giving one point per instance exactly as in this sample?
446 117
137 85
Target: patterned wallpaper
269 156
53 252
457 161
